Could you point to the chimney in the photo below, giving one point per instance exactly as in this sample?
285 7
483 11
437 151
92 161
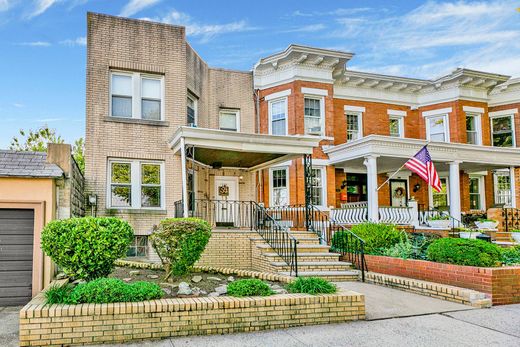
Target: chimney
60 154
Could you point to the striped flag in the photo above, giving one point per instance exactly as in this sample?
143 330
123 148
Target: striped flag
422 165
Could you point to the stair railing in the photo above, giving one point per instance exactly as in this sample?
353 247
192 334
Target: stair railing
511 218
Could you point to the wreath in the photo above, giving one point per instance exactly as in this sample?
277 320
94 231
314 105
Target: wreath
399 192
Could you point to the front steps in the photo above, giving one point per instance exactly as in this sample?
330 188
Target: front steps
314 259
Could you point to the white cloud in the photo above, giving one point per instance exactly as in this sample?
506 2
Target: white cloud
307 29
204 31
5 5
40 6
79 41
336 12
18 105
36 44
135 6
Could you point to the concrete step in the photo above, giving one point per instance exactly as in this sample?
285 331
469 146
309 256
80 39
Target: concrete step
304 248
349 275
301 240
303 257
314 266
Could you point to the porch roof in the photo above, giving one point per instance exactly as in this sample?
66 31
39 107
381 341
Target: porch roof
392 152
224 148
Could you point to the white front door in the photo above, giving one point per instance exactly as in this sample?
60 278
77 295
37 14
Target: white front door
226 196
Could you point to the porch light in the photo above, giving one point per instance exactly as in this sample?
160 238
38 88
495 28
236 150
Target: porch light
416 187
241 177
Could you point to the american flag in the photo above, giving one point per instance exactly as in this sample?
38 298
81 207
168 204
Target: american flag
422 165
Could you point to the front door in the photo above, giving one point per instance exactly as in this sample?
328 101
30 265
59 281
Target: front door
398 193
226 204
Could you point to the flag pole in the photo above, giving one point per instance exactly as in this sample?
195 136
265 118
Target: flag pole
395 173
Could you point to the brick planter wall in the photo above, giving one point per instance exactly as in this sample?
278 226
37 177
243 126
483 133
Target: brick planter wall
57 325
502 283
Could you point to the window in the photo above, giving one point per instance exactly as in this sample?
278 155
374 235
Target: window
396 126
502 185
228 120
473 129
475 193
191 110
502 131
136 95
353 126
313 118
437 128
440 199
318 196
278 116
135 184
191 191
279 184
138 247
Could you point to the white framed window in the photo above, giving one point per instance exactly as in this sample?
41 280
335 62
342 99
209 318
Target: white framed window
314 115
229 120
191 110
502 131
319 186
437 128
502 187
135 184
278 116
440 200
476 193
279 186
396 126
136 95
354 127
473 129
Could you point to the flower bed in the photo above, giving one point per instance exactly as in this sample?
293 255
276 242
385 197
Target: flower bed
57 325
501 283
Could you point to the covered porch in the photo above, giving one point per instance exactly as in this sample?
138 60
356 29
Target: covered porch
219 170
468 174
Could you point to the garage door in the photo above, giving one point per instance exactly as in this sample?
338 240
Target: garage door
16 255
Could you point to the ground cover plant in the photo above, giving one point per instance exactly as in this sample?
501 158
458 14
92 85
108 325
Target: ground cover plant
249 287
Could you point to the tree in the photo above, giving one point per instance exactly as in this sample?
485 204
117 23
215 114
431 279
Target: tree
36 141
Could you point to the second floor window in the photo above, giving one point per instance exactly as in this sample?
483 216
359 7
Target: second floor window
472 129
228 120
278 117
396 127
313 120
136 95
353 126
502 133
437 128
191 110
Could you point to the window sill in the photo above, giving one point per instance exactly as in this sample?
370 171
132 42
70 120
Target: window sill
136 211
137 121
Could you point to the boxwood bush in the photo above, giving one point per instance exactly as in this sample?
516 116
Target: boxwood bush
311 285
103 290
249 287
464 252
86 248
179 242
377 236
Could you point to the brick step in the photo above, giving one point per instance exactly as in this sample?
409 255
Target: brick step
304 257
314 266
317 248
349 275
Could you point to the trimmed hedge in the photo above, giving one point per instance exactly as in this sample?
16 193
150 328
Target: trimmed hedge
464 252
86 248
179 242
249 287
377 236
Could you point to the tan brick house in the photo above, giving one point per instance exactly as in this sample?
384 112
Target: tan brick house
168 135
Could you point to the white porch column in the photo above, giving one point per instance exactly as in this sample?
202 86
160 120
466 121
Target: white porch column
513 186
184 179
454 187
373 202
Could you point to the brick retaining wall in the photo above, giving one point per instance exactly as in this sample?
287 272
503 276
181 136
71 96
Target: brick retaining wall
502 283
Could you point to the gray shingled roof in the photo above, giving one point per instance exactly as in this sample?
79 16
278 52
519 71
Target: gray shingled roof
27 164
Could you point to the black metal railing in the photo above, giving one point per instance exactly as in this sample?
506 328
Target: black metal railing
276 235
341 240
510 219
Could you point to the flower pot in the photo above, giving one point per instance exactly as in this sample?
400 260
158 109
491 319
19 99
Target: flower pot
486 225
440 224
468 235
516 236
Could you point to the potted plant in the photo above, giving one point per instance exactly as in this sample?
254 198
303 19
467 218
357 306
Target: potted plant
440 221
516 235
465 233
486 224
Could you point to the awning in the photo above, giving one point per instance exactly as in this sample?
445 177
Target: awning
222 148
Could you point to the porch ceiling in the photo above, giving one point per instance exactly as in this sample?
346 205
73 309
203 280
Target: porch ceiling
234 149
393 152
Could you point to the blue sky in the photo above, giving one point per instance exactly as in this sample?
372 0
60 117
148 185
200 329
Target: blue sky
42 43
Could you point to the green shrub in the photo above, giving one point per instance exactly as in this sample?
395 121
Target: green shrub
403 249
104 290
311 285
464 252
86 248
378 236
249 287
420 243
179 242
511 255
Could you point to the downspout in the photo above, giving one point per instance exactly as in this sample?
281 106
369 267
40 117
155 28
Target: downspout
259 174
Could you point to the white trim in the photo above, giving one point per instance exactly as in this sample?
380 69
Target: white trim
237 118
315 91
234 179
359 115
446 121
323 172
509 112
195 100
513 127
349 108
269 106
400 120
287 182
481 191
321 99
437 112
472 109
396 113
478 126
277 95
430 191
513 186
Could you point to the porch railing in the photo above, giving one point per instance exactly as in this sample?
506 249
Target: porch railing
396 215
356 213
426 215
511 219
